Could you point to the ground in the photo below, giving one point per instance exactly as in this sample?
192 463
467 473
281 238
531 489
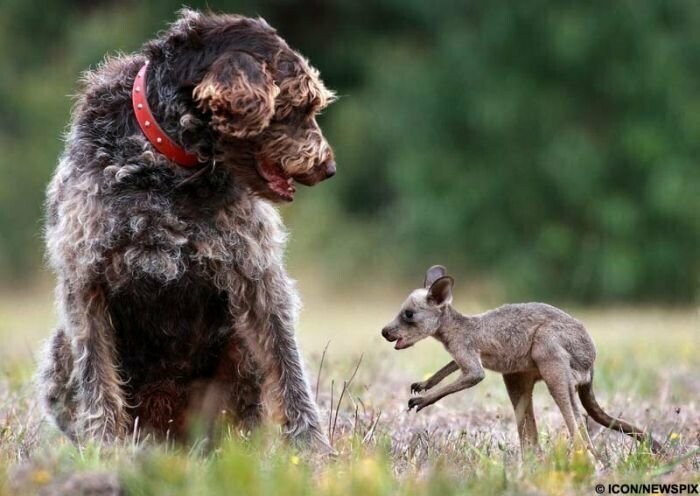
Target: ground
648 372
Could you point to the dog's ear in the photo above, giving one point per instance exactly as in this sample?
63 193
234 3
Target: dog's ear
239 92
433 274
440 292
301 86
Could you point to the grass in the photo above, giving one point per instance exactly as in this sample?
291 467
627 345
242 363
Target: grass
648 371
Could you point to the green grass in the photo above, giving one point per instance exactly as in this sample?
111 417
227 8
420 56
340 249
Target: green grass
648 371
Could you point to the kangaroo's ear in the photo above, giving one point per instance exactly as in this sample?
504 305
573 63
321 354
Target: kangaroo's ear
239 92
440 292
433 274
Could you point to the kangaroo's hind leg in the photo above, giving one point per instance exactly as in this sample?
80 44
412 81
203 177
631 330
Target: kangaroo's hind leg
580 419
556 373
554 365
520 386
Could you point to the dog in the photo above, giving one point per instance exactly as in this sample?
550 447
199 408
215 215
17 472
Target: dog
173 300
525 342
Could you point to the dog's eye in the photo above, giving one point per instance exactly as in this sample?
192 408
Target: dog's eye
408 315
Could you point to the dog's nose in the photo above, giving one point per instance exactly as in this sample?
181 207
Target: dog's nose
330 168
385 333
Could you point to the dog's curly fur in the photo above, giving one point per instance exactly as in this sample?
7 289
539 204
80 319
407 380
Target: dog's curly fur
172 294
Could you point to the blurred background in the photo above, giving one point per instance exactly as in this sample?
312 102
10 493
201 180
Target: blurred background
540 149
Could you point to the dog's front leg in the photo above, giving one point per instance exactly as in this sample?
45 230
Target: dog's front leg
269 332
101 406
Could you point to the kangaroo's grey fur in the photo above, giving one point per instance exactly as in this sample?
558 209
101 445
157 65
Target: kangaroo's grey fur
525 342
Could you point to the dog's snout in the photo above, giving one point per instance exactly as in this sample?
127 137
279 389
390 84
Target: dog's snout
330 168
320 172
386 334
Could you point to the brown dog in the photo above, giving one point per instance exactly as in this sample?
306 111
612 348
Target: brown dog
172 292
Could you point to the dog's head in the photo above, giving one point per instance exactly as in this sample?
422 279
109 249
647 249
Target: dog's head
422 313
259 97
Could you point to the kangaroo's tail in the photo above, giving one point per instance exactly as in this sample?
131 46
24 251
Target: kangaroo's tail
585 393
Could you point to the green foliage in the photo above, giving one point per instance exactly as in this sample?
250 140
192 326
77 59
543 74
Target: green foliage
552 144
549 145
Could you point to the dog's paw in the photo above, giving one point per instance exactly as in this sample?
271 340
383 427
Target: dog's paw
313 441
106 421
417 402
417 387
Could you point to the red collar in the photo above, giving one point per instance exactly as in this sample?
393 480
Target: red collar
150 127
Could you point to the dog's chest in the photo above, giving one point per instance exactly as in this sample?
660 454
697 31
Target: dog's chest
164 242
171 310
253 232
175 331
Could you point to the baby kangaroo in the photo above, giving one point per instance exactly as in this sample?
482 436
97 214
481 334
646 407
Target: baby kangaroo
525 342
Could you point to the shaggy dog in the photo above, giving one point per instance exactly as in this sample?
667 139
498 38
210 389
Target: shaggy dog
172 294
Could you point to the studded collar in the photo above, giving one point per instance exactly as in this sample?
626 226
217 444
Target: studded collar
147 122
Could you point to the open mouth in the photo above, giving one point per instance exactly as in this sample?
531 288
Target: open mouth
401 343
277 181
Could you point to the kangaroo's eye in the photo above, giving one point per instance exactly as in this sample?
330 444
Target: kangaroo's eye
408 314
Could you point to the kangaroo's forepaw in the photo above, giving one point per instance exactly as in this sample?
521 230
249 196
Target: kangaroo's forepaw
418 402
417 387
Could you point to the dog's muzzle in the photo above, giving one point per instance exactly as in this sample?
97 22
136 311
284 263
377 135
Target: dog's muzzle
330 168
319 173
